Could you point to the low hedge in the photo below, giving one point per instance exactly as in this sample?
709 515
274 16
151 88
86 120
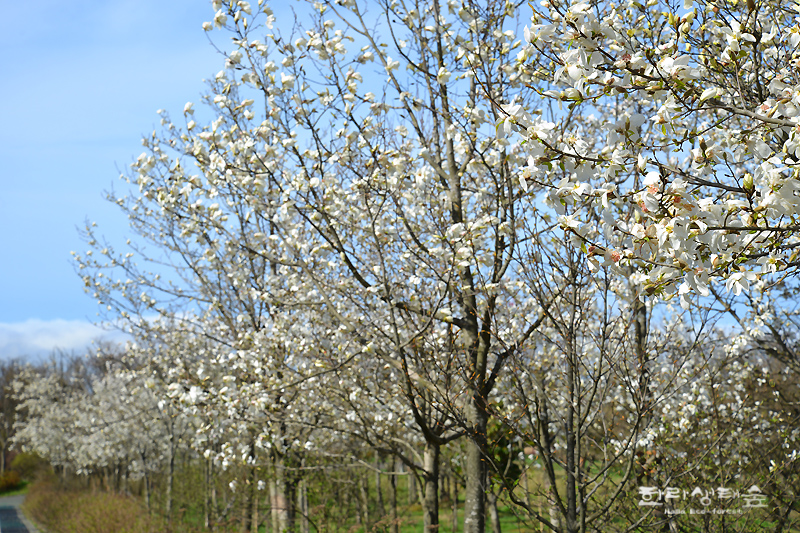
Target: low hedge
61 511
10 480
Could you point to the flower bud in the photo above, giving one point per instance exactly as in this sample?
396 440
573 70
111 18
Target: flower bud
747 183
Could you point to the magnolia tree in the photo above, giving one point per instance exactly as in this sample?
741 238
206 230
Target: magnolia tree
729 425
45 422
248 404
698 101
399 210
370 183
8 407
766 348
581 395
400 410
97 424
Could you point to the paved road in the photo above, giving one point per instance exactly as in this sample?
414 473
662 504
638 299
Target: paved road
11 518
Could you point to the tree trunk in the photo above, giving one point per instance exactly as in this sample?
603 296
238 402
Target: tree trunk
640 332
145 483
475 469
523 480
358 509
247 501
283 500
273 504
576 515
454 495
170 476
552 507
494 515
363 489
412 488
207 495
214 508
378 489
394 527
254 500
303 506
124 481
430 507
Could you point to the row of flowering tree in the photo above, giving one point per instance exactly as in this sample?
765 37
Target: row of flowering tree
426 226
721 423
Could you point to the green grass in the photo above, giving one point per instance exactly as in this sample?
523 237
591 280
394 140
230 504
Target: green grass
411 521
61 511
508 522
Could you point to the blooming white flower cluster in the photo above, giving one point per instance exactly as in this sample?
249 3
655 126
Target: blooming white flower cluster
712 177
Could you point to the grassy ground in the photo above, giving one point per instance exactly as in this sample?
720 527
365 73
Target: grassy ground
411 522
508 522
85 511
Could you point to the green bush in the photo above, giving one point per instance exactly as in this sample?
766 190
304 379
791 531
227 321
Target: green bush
28 465
10 480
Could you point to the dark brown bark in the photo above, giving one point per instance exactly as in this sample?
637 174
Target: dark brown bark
378 488
454 495
393 527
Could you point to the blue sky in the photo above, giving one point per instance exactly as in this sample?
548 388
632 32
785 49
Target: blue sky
82 81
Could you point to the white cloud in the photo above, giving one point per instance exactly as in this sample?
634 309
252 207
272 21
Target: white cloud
36 339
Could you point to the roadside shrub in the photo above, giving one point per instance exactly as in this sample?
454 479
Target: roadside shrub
10 480
62 511
28 465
